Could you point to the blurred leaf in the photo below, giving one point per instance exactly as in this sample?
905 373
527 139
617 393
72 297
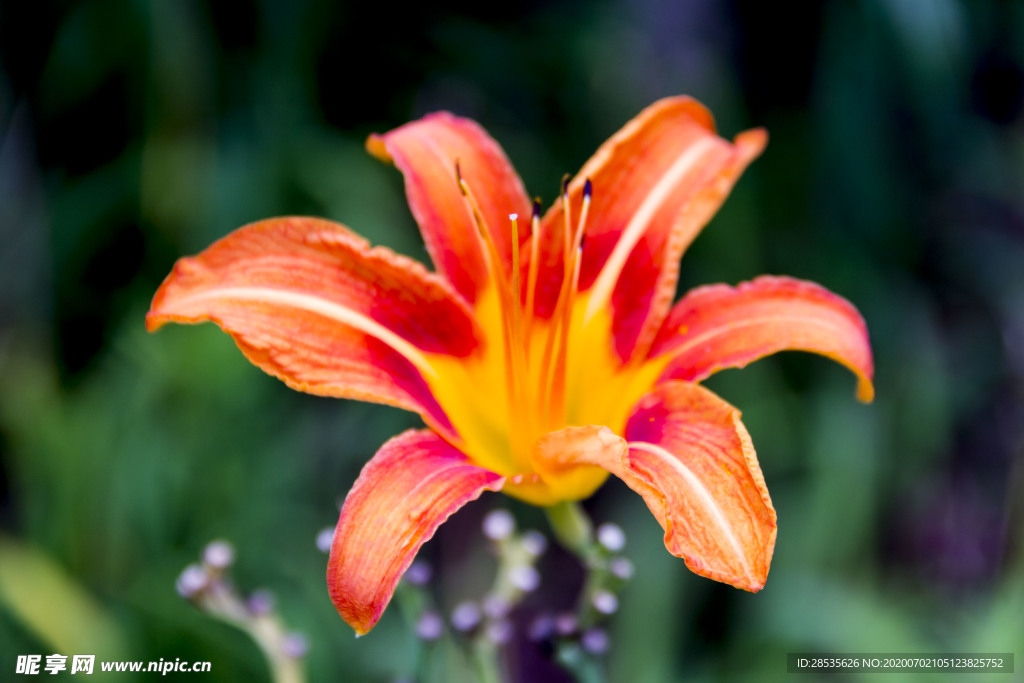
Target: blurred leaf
39 593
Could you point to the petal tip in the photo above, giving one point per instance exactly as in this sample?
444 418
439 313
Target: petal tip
865 390
376 146
154 322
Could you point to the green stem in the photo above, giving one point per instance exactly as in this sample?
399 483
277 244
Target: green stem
572 528
485 659
266 630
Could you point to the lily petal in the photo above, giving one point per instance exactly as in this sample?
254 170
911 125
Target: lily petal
413 484
310 302
690 458
656 183
426 151
718 326
693 456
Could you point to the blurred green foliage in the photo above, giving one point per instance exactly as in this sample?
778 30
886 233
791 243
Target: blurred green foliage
134 131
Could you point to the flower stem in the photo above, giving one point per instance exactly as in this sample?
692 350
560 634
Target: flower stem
572 528
485 660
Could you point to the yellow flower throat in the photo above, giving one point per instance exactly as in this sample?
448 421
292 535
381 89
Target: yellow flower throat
543 376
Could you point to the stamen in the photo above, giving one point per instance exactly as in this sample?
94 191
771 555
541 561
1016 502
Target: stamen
553 374
581 227
531 280
518 341
560 367
483 234
509 309
547 375
566 222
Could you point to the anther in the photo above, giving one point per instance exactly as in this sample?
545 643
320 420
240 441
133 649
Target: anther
458 178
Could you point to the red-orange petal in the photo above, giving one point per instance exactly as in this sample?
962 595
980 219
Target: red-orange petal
310 302
413 484
656 183
690 458
718 326
426 151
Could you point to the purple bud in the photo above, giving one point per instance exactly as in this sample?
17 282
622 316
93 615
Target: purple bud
542 628
219 554
565 624
496 606
499 525
622 568
192 580
499 632
295 645
430 626
260 602
534 543
525 578
419 573
595 641
611 536
466 616
325 539
605 602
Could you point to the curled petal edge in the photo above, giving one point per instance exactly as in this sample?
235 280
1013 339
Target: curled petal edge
718 326
426 151
310 302
403 494
720 522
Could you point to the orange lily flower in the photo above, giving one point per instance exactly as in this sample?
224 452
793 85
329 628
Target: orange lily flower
543 354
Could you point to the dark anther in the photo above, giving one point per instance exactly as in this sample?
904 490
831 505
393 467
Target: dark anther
458 178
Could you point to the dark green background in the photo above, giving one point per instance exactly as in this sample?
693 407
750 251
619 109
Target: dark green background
134 132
